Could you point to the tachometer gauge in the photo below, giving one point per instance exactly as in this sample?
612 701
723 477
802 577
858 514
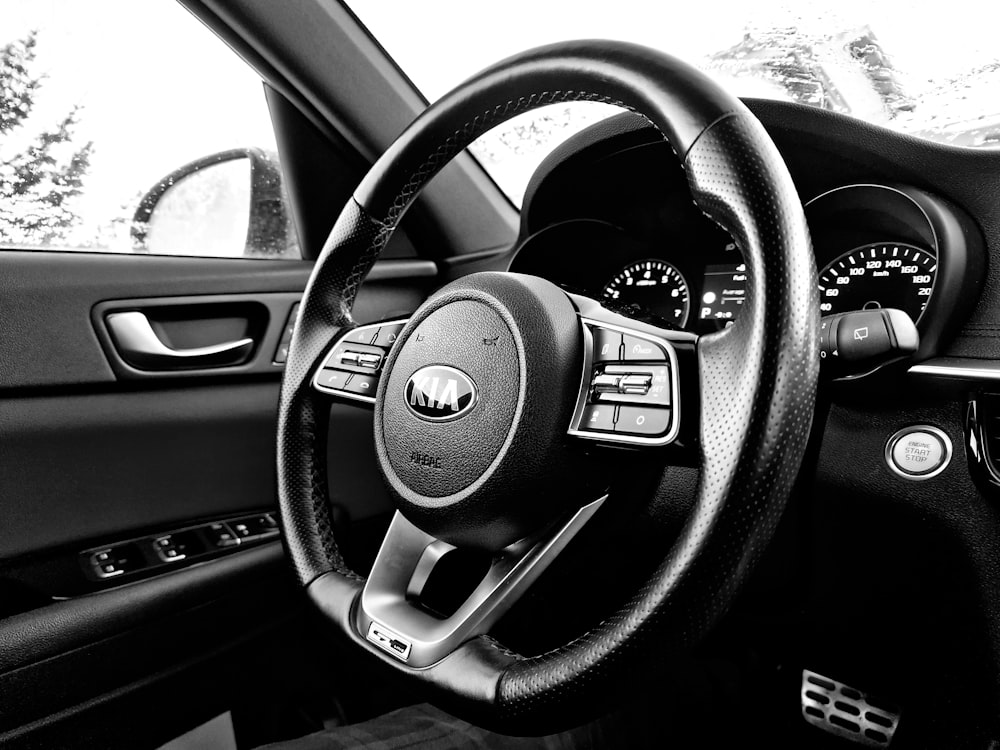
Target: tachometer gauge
885 274
654 285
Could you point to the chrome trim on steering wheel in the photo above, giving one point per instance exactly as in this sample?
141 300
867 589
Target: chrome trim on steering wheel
389 618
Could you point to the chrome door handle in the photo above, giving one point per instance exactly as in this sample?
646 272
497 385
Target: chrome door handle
139 346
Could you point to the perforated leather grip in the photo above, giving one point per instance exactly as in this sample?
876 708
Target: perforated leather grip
758 378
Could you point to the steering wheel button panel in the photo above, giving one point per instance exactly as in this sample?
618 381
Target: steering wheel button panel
333 380
351 370
599 417
642 349
388 334
636 384
362 335
642 420
607 345
364 385
918 452
635 379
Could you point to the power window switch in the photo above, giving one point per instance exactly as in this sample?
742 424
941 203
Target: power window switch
168 550
220 535
104 564
262 526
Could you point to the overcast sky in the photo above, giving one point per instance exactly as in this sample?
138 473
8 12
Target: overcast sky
159 90
440 42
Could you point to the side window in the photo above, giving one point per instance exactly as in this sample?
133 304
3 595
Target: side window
131 128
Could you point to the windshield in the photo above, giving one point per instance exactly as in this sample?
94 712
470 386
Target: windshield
916 67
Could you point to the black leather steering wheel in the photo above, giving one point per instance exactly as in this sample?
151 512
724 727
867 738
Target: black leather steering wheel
484 424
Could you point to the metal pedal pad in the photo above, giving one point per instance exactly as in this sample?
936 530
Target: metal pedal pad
846 712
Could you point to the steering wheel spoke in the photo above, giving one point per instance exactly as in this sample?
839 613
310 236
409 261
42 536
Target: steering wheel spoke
352 367
393 616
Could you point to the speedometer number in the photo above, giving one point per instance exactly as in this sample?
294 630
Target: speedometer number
876 276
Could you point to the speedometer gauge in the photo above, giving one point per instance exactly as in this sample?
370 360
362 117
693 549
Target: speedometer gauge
654 285
891 274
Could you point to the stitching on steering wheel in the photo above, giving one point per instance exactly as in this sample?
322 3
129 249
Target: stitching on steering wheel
478 125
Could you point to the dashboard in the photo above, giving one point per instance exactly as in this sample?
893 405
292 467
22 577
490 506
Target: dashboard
612 218
880 576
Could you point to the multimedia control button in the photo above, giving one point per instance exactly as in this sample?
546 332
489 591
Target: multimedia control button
388 334
599 417
604 383
364 335
336 379
641 349
641 420
371 361
364 385
607 345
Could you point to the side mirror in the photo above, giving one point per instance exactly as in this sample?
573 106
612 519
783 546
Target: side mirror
228 204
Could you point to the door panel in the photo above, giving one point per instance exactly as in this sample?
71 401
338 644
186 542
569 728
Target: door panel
95 452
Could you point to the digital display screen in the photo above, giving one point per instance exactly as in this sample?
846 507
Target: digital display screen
722 292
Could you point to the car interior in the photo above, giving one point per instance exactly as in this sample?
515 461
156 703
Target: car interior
694 444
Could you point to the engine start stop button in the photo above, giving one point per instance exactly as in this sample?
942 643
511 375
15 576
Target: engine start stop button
918 452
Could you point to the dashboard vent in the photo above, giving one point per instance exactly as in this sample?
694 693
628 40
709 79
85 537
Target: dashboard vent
983 431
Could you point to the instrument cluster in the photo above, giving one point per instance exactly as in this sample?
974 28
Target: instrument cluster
875 246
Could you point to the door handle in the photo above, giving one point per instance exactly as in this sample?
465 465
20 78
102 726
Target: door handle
139 346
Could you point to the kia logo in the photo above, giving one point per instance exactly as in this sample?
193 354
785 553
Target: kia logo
440 393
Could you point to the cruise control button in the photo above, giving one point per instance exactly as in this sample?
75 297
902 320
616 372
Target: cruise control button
333 379
659 390
607 345
365 385
640 420
636 384
600 417
641 349
388 334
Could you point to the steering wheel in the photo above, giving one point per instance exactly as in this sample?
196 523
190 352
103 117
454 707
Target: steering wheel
494 402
